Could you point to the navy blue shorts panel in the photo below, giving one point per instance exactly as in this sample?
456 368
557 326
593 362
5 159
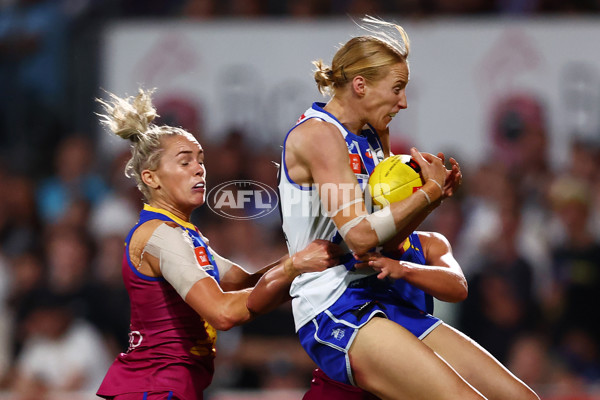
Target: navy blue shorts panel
328 337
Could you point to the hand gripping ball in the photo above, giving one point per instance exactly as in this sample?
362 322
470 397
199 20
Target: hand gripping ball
394 179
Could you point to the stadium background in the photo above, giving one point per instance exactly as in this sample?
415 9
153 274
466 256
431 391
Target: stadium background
510 88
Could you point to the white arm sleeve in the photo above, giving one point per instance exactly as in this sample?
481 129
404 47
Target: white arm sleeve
223 264
178 263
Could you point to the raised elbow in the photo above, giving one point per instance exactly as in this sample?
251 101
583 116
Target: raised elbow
361 241
227 316
461 292
223 322
462 296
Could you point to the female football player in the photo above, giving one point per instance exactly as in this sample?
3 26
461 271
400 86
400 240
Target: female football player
181 291
358 329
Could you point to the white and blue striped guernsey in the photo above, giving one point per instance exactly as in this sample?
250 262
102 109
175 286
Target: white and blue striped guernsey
305 220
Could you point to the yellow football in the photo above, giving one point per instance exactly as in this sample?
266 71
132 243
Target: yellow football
394 179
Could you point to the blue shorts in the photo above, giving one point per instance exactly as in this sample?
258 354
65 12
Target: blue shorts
328 337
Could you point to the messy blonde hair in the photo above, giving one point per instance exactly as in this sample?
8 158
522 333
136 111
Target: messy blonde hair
368 56
131 119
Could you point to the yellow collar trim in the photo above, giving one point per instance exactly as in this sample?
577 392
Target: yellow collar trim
181 222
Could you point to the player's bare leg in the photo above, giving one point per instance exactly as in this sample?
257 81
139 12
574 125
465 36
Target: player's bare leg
477 366
391 363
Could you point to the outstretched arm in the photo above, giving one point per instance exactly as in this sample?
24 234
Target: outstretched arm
164 249
273 287
442 277
223 309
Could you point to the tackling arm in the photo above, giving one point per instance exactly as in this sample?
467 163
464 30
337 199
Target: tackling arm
273 287
441 277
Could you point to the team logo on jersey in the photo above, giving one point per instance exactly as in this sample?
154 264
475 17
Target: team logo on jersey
242 199
202 258
338 334
355 163
135 339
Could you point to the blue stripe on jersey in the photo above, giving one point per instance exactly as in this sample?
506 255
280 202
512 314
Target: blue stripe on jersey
131 266
146 215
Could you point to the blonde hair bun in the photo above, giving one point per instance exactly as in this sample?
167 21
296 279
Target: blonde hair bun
128 117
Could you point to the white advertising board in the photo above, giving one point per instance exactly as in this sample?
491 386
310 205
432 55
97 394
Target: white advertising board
257 76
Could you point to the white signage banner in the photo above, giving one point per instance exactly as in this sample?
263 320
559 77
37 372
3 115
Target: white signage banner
214 77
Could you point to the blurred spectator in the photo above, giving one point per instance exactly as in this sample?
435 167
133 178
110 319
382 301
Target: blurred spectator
113 315
569 302
68 255
73 183
60 352
483 187
6 321
501 303
110 223
118 210
27 276
247 8
519 136
461 7
357 7
20 228
33 45
226 161
520 140
306 8
270 355
529 358
198 9
518 7
583 160
149 8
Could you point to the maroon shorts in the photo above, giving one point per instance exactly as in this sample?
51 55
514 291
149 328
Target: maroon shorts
323 387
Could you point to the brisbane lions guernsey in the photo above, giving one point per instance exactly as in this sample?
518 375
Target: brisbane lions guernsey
171 348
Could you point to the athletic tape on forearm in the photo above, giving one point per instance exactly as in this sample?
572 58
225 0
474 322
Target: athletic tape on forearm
343 206
223 264
178 263
349 225
383 224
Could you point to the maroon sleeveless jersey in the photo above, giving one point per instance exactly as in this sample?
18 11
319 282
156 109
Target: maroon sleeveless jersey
171 348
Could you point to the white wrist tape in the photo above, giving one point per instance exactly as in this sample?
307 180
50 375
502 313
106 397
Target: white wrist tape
426 195
437 183
383 224
350 224
178 263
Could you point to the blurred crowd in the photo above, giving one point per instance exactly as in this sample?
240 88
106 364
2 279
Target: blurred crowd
526 232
